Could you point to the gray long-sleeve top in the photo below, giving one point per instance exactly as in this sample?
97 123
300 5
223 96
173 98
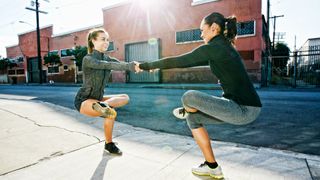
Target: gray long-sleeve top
96 69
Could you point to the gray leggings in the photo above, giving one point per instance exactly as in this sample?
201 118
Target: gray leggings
216 110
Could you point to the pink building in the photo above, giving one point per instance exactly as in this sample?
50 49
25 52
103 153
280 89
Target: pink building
148 30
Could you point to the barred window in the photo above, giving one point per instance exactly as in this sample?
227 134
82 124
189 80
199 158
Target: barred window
188 36
111 46
53 52
246 28
66 52
53 69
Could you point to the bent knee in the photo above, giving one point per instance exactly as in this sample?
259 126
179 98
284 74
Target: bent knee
126 98
188 96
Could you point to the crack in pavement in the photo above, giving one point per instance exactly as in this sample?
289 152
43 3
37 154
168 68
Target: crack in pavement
40 125
55 154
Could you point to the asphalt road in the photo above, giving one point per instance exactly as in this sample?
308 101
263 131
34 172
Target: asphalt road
289 120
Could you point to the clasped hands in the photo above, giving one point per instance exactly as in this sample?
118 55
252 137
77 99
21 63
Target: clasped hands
137 68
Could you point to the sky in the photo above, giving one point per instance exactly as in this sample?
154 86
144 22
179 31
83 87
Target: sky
301 18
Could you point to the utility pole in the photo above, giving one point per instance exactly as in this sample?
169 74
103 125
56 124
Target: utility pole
38 39
268 15
274 29
266 70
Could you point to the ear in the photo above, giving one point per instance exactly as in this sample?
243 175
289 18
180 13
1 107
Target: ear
213 27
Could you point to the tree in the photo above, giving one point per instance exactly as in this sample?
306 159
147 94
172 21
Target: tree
52 59
78 53
5 63
280 56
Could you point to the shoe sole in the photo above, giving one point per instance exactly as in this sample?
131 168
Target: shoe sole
206 174
114 154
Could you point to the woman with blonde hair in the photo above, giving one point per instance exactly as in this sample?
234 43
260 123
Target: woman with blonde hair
90 99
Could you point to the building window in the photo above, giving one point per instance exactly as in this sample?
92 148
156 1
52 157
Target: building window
53 69
193 35
11 72
53 52
246 28
111 46
198 2
20 71
66 52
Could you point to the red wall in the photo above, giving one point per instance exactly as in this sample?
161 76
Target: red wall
131 22
163 18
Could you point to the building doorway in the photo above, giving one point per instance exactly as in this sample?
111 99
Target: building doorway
143 52
33 70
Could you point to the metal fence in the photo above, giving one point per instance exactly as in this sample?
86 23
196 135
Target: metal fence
302 69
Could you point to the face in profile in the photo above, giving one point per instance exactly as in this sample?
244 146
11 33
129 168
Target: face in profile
207 32
101 42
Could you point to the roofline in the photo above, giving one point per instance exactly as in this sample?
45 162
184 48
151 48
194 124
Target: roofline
10 46
314 38
43 27
78 30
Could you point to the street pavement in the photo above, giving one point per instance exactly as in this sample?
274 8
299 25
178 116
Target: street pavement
40 140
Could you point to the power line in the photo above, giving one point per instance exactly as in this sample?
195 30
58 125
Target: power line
274 29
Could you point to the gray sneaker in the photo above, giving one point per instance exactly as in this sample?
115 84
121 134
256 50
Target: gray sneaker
205 170
180 113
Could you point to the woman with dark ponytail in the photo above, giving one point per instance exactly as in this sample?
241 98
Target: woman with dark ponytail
239 104
90 99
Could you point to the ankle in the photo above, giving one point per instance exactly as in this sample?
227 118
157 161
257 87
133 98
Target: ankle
212 165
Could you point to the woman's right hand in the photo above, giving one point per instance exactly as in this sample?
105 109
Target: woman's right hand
136 67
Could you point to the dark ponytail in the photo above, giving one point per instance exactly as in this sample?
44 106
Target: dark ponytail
228 25
230 31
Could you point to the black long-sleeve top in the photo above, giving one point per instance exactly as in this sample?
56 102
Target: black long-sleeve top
224 61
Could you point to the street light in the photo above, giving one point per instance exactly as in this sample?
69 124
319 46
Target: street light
24 22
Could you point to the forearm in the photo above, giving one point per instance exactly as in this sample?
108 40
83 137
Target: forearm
195 58
118 66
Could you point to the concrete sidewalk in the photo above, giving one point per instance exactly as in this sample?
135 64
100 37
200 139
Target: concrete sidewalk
39 140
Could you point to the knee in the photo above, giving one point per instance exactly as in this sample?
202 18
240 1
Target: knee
188 96
126 98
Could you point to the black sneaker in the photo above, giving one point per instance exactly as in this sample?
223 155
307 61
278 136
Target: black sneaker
112 148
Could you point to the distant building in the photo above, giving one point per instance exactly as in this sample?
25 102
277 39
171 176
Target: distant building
309 54
148 31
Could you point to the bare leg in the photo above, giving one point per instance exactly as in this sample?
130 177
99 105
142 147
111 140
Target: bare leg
113 101
202 138
108 129
116 100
